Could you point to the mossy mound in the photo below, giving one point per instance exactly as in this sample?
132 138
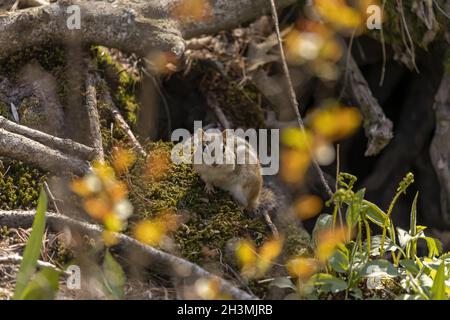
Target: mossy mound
209 221
19 185
124 84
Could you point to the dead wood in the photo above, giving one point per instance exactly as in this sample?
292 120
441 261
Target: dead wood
65 145
378 128
29 151
159 261
440 146
93 117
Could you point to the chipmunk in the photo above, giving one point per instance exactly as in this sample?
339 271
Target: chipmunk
243 180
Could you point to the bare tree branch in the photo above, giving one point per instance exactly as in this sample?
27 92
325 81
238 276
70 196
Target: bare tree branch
93 117
138 26
378 127
24 149
440 146
65 145
160 261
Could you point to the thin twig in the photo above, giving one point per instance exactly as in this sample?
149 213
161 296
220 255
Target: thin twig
121 122
16 259
93 117
65 145
293 96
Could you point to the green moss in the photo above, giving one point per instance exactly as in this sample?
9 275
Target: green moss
210 221
122 82
297 241
19 185
5 111
49 56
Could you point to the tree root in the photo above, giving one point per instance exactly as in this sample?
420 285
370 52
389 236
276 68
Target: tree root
120 121
440 146
159 261
378 128
27 150
65 145
93 117
139 26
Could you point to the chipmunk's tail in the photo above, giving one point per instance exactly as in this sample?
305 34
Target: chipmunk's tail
268 203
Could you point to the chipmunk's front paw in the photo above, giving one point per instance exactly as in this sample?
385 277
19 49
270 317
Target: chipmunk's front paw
209 188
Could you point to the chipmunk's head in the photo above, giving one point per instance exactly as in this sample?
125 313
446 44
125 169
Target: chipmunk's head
213 151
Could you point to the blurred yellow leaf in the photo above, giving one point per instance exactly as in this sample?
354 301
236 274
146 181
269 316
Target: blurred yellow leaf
294 164
328 240
104 172
97 207
297 138
335 122
149 232
109 238
117 191
192 10
339 14
302 268
246 253
112 222
308 206
271 249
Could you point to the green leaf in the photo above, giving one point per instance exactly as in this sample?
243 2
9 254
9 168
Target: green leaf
355 208
114 276
329 283
410 265
434 246
438 288
32 249
376 245
413 217
324 222
380 265
339 261
283 283
43 286
375 214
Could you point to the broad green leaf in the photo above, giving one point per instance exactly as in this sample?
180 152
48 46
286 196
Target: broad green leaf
380 266
329 283
354 209
374 213
376 245
410 265
438 288
32 249
114 276
324 222
339 261
283 283
43 286
434 246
